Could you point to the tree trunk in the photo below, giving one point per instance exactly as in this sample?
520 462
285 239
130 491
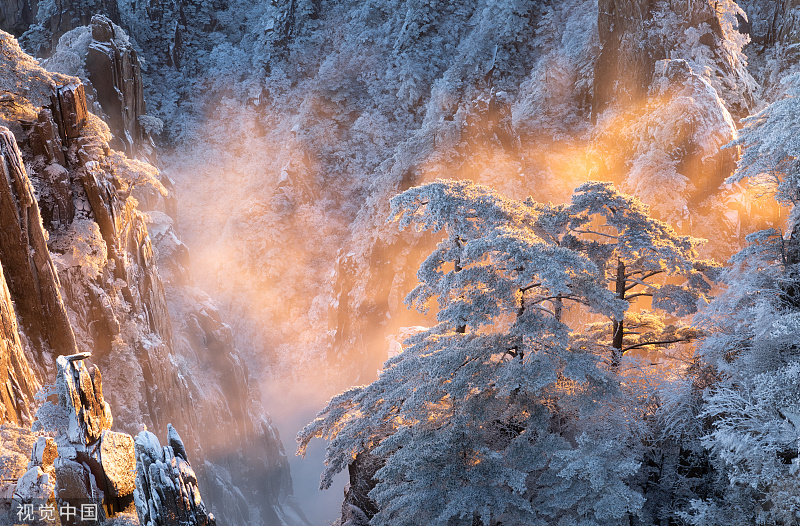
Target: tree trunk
618 325
558 307
461 329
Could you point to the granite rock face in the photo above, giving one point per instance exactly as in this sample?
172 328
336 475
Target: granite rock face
624 68
117 458
633 38
773 22
16 375
166 353
115 73
30 273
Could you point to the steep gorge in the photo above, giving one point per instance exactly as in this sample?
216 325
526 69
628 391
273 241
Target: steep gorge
82 274
287 126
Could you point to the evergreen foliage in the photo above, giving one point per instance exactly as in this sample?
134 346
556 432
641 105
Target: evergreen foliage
504 412
754 407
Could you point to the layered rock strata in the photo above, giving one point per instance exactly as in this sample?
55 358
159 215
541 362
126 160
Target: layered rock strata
92 263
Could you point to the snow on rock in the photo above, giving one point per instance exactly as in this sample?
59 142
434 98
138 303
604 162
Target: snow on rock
176 443
86 462
89 414
31 275
35 485
115 74
166 491
635 35
677 141
94 231
15 444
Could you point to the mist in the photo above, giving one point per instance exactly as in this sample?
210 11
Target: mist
283 199
217 210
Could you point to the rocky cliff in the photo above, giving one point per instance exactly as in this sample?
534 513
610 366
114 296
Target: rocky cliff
82 273
305 117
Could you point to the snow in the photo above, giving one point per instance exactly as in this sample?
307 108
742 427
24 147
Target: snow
291 125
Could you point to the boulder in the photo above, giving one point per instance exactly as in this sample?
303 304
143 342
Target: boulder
35 486
117 457
75 482
45 452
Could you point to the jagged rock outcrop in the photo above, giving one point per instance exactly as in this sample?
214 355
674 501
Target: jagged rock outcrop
86 464
102 56
30 273
93 462
167 355
82 389
166 485
635 34
113 68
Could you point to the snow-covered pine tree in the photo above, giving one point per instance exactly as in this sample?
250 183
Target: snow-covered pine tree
502 412
639 257
754 407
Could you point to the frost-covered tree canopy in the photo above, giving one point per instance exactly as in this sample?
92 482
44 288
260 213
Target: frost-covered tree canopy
506 411
753 407
561 378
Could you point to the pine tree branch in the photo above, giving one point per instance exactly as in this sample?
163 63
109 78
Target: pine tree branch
637 282
659 342
646 274
596 233
529 287
649 294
